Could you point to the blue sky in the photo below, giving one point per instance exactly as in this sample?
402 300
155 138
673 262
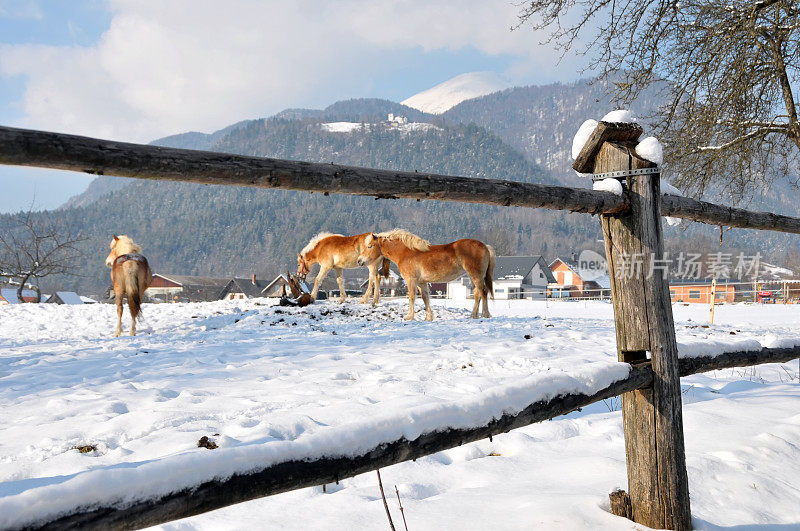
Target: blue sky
140 70
55 23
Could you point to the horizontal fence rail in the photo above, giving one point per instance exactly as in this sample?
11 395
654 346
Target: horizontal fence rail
104 157
291 475
23 147
704 212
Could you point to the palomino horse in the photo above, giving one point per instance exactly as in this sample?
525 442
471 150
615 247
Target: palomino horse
335 251
420 262
131 275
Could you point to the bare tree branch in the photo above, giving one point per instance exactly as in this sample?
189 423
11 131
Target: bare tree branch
726 70
35 247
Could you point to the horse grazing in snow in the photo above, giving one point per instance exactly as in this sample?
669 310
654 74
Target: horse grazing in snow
337 252
131 275
420 262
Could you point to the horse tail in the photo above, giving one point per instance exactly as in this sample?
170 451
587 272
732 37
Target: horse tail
385 268
487 278
133 291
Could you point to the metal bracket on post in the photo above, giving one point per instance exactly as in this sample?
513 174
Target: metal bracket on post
625 173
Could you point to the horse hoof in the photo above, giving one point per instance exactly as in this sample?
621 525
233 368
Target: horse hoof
408 318
429 318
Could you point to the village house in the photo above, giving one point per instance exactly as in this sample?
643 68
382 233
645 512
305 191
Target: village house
699 291
515 277
183 288
279 287
396 119
244 288
65 297
9 296
734 290
392 285
355 283
569 283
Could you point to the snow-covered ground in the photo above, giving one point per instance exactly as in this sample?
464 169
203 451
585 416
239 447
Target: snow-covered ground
263 382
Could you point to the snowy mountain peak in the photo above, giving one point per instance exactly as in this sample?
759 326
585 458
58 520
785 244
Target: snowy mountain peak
445 95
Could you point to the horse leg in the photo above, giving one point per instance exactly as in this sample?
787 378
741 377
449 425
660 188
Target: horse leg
133 307
477 293
485 297
119 315
376 286
412 295
370 283
340 281
323 270
133 322
119 293
426 298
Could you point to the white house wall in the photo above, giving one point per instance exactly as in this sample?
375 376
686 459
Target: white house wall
456 290
536 277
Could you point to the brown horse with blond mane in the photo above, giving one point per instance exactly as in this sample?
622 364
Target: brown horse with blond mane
131 276
420 262
337 252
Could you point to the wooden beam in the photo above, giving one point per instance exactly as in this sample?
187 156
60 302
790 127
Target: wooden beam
24 147
652 418
704 212
689 366
604 132
292 475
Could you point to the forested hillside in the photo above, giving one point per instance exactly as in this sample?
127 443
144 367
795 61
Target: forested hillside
540 121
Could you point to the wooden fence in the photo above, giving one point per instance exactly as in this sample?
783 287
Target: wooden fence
651 397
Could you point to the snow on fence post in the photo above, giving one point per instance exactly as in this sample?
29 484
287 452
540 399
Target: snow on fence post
652 417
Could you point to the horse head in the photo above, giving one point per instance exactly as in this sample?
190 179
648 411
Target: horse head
372 250
113 254
303 269
121 245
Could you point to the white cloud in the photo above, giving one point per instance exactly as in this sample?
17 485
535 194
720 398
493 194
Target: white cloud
166 67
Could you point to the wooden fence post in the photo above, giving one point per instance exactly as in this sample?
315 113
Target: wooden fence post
652 418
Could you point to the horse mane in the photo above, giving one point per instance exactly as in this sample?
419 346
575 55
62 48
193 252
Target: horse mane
125 245
314 241
408 239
